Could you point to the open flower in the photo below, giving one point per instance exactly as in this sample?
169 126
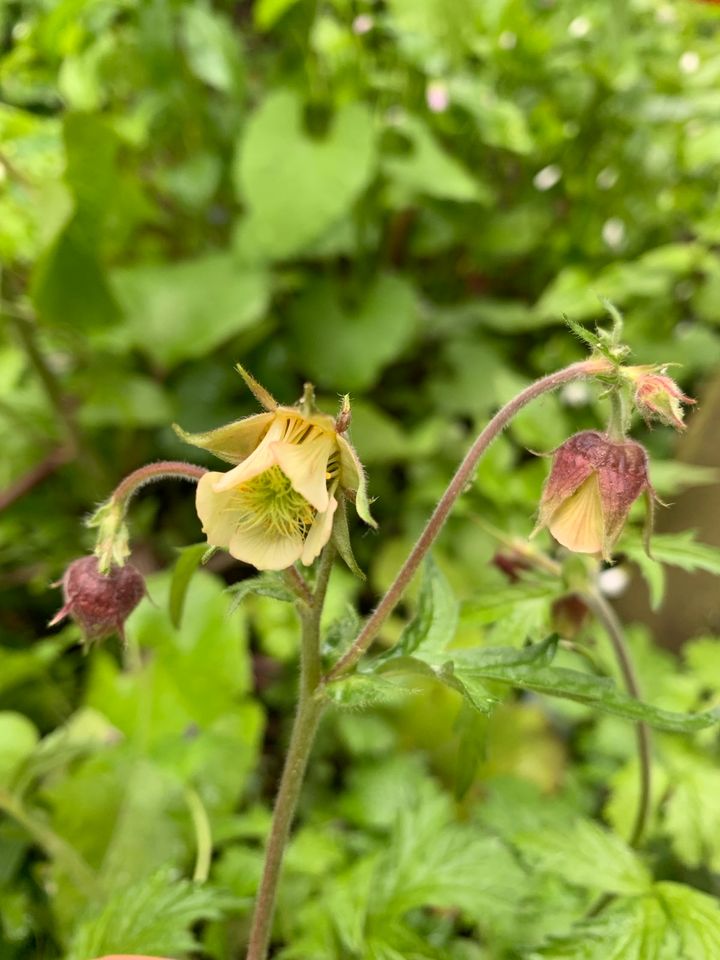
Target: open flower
657 396
277 505
592 485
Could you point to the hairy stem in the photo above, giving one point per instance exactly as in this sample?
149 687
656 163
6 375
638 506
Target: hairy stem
609 620
307 719
162 470
463 475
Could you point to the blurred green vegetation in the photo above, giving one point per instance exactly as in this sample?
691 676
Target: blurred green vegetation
397 200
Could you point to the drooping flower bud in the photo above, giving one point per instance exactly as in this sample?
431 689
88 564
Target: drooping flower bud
99 603
592 485
657 396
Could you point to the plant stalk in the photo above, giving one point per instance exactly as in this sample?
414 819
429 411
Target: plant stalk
609 620
307 719
463 476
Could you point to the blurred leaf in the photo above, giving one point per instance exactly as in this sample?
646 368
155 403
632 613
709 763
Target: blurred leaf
674 549
211 46
637 929
18 738
172 318
346 346
429 169
585 854
295 185
696 918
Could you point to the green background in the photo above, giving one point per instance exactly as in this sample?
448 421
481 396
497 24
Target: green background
397 200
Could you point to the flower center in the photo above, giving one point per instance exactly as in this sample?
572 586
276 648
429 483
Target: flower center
270 502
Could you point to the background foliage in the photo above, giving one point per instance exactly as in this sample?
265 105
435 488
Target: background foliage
394 199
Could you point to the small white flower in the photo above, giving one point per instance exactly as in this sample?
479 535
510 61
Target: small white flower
546 178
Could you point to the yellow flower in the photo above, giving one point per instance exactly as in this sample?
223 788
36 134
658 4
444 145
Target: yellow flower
278 504
592 485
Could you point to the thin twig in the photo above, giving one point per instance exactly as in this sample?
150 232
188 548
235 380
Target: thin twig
34 476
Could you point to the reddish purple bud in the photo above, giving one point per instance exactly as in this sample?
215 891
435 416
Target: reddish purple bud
657 396
99 603
592 485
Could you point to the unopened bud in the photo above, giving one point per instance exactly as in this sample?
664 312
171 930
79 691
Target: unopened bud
99 603
592 485
657 396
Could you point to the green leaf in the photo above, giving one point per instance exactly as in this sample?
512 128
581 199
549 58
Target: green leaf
347 345
185 566
674 549
18 739
211 46
153 917
172 318
696 919
297 186
433 627
586 855
638 929
429 170
69 285
595 691
692 809
266 13
267 584
433 861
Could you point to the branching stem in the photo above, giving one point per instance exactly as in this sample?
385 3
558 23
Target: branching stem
459 482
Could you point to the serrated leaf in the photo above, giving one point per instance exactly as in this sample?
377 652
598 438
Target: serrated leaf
592 690
185 566
585 854
153 917
435 622
638 929
267 584
696 919
472 691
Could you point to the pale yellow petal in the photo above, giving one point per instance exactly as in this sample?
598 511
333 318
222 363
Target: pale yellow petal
260 460
578 523
233 442
217 518
264 549
319 533
305 466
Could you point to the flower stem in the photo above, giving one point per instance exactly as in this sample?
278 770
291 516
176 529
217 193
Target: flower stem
609 620
163 469
463 475
307 719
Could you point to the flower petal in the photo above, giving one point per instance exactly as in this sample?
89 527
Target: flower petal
260 460
233 442
265 549
319 533
216 515
352 477
578 522
305 466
